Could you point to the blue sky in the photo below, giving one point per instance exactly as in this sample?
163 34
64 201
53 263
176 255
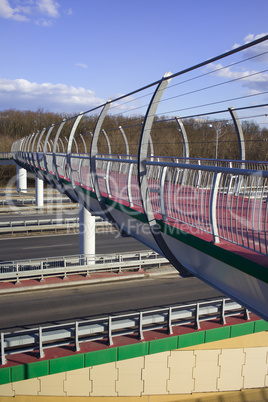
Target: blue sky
71 55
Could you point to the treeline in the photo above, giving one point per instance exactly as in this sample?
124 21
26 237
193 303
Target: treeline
166 134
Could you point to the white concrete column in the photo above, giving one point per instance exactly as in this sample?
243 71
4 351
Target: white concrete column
21 180
39 192
86 232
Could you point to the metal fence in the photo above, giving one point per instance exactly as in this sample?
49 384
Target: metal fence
48 224
107 328
229 203
6 155
78 264
32 201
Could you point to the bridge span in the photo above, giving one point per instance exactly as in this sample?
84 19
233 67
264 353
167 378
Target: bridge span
207 216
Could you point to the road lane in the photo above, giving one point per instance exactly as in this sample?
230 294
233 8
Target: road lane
20 248
30 215
84 302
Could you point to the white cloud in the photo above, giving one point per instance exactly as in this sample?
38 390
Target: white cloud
25 95
253 80
44 12
43 23
255 50
69 11
48 7
81 65
7 12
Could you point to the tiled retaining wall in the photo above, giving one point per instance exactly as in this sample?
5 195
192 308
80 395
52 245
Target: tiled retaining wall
225 365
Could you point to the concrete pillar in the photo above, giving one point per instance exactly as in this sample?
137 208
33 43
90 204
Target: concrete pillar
39 192
86 232
21 180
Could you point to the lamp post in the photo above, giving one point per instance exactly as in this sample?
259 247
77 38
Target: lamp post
218 130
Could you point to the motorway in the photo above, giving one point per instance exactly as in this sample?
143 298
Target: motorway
57 306
40 246
25 310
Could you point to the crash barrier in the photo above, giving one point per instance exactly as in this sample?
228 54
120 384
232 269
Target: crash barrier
78 264
47 224
32 201
106 328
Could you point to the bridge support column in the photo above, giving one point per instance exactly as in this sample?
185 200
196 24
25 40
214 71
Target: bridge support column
86 233
39 192
21 180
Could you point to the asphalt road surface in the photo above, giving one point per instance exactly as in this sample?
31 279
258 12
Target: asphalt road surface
31 309
40 246
48 307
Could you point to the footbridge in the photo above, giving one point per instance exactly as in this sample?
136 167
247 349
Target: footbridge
148 173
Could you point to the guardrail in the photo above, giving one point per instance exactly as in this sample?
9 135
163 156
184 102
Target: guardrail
31 201
108 327
46 224
79 264
6 155
37 222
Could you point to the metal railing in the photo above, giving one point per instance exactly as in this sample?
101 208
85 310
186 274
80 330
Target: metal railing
107 328
226 202
78 264
38 222
48 224
32 201
6 155
224 198
216 199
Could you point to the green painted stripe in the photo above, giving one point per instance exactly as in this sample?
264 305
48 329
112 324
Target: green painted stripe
217 334
260 326
246 328
5 375
163 345
132 351
101 357
191 339
66 363
113 354
38 369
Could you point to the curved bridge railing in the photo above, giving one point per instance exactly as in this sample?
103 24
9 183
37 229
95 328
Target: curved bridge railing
166 201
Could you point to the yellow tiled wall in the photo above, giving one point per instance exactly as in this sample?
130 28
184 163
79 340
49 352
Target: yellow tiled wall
184 371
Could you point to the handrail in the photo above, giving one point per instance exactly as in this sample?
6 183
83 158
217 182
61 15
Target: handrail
173 184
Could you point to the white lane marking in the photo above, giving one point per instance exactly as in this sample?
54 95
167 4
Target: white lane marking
55 245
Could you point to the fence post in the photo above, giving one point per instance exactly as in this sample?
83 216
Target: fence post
129 176
17 274
41 350
197 325
110 337
77 347
213 207
3 357
120 262
162 192
140 327
42 270
223 321
170 330
107 183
